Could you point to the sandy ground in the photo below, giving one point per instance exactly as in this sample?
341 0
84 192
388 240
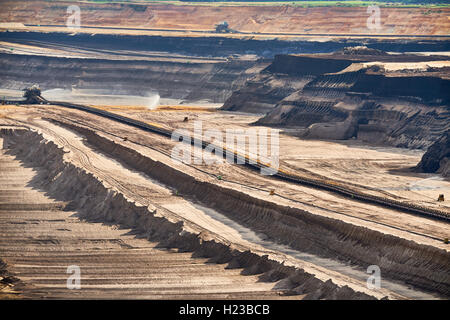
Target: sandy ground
377 170
39 241
330 159
149 192
316 201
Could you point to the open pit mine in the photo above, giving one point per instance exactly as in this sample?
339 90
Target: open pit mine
94 204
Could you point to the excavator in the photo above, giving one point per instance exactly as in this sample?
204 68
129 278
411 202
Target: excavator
32 95
223 27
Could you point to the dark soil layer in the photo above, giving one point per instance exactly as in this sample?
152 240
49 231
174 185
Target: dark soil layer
437 157
336 97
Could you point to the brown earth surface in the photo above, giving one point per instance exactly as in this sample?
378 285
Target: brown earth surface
79 189
40 241
92 152
260 19
116 259
381 171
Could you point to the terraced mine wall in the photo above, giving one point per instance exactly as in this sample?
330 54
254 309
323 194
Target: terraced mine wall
431 90
215 46
418 265
298 66
177 70
171 79
94 201
284 76
437 157
325 99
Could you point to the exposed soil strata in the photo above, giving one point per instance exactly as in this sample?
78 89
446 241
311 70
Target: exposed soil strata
210 45
252 18
437 157
297 228
189 68
178 80
342 96
96 202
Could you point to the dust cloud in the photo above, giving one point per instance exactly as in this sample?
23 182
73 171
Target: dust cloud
102 97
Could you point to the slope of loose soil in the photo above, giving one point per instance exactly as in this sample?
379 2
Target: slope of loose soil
437 157
259 209
40 240
96 200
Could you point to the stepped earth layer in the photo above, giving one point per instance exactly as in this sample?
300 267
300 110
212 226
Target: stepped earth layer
376 97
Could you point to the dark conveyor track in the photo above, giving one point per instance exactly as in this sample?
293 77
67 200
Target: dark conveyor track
279 174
